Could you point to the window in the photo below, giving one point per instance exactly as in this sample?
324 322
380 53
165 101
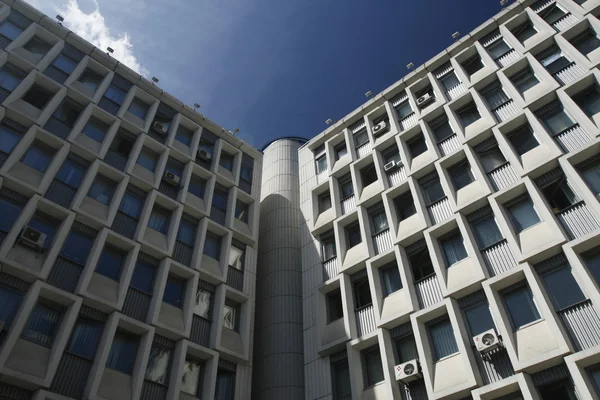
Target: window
432 190
340 150
594 373
174 291
472 65
143 277
417 145
524 80
453 247
449 81
148 159
479 319
64 63
91 79
442 130
46 224
362 294
390 278
231 315
441 336
37 47
522 213
190 378
495 96
560 195
110 262
212 245
226 161
131 205
553 59
523 139
361 137
77 247
562 389
486 232
552 14
236 258
122 352
524 31
324 202
334 306
321 164
589 100
498 49
405 206
37 96
328 246
10 30
586 42
340 373
590 171
491 159
95 129
520 305
158 365
403 110
8 139
406 348
353 235
42 325
160 219
10 300
346 188
202 307
219 199
208 147
187 232
368 175
139 108
241 211
10 77
102 190
461 174
10 212
468 114
556 120
71 173
225 386
197 186
38 156
421 265
562 287
379 220
184 135
373 369
391 154
84 338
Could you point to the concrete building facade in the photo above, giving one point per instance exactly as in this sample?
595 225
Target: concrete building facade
128 229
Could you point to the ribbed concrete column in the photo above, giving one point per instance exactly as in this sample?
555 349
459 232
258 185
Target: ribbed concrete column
278 351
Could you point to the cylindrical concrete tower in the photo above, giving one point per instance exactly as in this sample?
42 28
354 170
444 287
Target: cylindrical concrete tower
278 353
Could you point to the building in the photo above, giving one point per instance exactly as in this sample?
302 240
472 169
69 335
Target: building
128 229
442 241
450 225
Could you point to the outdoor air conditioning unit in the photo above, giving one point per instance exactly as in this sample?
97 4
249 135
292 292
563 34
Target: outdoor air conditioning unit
381 128
171 178
205 155
408 371
390 166
487 341
32 238
425 100
160 128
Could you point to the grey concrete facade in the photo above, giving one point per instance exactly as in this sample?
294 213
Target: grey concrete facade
279 350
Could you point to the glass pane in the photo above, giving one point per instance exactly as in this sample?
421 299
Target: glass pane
109 263
202 305
433 192
498 49
190 377
10 213
450 81
236 257
158 365
41 325
37 158
479 318
174 290
10 30
10 300
442 339
77 247
8 139
186 233
523 214
591 175
159 221
403 110
85 338
212 246
557 121
390 279
563 288
373 367
520 305
229 317
487 232
143 277
102 191
461 175
454 249
123 353
492 159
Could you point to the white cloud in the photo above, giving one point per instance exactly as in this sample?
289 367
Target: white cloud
92 27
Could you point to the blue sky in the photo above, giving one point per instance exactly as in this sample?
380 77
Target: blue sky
272 67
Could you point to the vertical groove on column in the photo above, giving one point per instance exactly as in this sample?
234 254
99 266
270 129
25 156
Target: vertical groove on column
278 353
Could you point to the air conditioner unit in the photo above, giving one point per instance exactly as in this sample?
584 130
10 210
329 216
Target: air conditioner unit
408 371
390 166
32 238
160 128
205 155
425 100
171 178
487 341
380 128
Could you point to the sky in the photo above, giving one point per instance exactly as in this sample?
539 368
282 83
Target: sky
272 68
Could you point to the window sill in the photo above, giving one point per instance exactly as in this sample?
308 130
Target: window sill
529 227
537 321
448 357
373 385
